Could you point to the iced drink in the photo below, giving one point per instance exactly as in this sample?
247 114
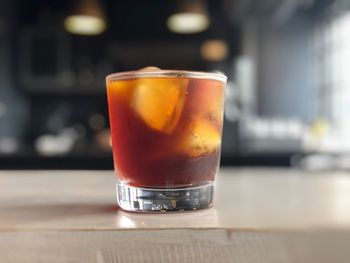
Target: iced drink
166 134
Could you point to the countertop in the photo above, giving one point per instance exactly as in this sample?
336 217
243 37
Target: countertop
271 215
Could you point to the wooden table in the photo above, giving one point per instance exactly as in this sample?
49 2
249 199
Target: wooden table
260 215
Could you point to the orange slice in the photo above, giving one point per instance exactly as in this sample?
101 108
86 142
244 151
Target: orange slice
159 101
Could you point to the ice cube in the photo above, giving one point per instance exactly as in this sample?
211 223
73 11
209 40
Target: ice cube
159 101
120 90
201 138
149 68
124 89
206 99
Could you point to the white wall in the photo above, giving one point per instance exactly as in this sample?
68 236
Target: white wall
284 85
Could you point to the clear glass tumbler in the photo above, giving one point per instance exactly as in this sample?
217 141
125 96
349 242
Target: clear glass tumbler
166 128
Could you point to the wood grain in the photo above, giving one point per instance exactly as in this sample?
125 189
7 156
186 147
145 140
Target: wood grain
176 245
270 215
245 199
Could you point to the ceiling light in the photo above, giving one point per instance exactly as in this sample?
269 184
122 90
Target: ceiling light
191 17
214 50
188 23
84 25
87 19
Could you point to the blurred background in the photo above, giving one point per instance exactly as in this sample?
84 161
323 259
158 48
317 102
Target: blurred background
288 94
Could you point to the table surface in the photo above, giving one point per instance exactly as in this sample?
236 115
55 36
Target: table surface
50 209
245 199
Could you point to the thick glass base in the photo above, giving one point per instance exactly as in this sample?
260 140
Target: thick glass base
137 199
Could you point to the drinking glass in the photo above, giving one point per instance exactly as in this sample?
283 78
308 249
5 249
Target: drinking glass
166 128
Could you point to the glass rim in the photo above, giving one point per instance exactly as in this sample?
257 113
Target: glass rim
167 73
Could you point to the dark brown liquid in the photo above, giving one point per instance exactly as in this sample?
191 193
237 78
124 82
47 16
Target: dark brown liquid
145 157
